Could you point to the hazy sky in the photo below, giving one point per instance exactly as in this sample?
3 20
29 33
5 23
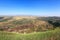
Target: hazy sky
30 7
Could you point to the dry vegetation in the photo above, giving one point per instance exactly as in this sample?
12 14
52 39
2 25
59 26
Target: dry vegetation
25 24
29 28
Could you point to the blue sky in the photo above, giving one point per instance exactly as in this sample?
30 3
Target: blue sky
30 7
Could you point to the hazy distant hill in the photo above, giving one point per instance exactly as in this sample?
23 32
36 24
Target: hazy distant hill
28 23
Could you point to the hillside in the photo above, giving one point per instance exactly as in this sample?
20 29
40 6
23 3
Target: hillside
48 35
28 24
24 24
29 28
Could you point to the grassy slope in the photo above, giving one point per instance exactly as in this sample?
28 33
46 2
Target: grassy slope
48 35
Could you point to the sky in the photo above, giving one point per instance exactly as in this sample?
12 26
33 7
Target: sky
30 7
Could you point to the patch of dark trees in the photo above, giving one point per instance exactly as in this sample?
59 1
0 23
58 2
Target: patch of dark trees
55 21
55 24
